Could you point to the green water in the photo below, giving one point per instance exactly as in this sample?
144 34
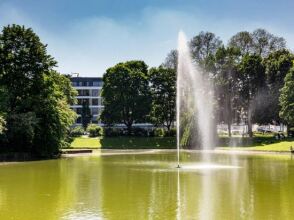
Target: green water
145 185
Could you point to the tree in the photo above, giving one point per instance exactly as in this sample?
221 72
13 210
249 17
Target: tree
126 94
204 46
251 80
287 99
35 93
243 41
171 61
259 42
2 125
264 42
163 89
226 61
277 65
86 114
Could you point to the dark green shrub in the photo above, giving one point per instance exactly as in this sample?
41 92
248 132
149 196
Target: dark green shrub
171 133
112 132
159 132
94 130
77 131
140 132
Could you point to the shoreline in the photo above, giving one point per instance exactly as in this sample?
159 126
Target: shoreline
109 152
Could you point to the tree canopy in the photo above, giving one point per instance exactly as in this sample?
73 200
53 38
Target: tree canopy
163 89
37 99
126 94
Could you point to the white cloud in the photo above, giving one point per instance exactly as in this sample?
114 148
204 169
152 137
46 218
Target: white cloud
91 45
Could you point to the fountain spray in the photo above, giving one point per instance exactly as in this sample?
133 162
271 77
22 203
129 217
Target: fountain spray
195 93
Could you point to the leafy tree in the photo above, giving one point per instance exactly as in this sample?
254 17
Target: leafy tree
163 89
243 41
251 80
265 42
86 114
2 125
277 65
226 61
259 42
126 94
203 47
35 94
171 61
287 99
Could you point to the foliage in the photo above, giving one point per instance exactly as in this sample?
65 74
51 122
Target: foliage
140 132
36 103
259 42
112 132
287 99
277 65
94 130
126 94
86 114
21 130
204 44
77 131
171 133
242 41
163 90
251 81
171 61
2 125
226 63
159 132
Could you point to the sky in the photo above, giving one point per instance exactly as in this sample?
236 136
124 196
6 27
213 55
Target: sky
89 36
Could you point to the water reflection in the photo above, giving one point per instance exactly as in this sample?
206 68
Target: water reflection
148 186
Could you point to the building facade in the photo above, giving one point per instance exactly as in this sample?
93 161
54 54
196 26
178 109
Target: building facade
89 91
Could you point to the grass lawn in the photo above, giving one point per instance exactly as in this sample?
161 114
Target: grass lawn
282 146
259 143
125 143
86 142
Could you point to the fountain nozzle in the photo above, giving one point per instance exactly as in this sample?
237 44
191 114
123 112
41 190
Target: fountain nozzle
178 166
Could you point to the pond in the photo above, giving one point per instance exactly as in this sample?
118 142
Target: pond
146 185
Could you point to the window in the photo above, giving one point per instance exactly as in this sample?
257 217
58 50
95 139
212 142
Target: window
79 120
94 111
95 92
79 111
74 83
97 83
94 119
94 101
81 101
83 92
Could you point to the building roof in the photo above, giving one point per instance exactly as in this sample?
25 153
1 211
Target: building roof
85 79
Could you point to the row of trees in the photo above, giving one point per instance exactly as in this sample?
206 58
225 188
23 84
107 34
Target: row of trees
35 113
248 74
133 94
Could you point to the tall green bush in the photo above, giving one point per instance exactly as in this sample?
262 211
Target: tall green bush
94 130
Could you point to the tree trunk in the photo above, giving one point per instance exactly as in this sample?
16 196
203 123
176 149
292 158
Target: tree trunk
229 129
229 116
250 124
129 127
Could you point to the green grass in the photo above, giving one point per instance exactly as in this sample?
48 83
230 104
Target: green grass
86 142
258 143
125 142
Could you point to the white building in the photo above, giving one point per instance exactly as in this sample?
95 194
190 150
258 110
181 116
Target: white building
89 90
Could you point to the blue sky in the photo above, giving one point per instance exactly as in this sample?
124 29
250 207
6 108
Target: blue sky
88 36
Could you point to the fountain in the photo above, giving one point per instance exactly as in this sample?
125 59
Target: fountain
195 94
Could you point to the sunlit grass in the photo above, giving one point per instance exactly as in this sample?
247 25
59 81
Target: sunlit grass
125 142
